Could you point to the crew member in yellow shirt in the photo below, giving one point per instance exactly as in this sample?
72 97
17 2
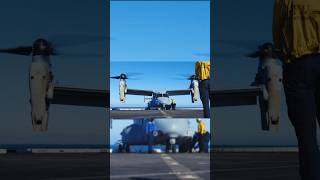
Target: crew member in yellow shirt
173 104
202 71
201 136
296 34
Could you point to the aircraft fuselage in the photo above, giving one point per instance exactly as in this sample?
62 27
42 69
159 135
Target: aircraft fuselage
160 101
170 131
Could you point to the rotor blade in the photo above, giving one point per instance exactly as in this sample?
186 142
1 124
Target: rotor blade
233 55
115 77
75 39
22 50
126 76
223 54
134 79
133 74
186 77
254 54
242 44
129 75
77 55
178 78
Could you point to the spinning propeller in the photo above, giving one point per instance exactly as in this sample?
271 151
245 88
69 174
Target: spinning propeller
44 46
126 76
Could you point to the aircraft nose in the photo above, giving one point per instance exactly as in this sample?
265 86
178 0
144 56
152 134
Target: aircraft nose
163 101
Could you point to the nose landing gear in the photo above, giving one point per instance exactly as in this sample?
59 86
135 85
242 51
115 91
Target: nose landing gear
171 146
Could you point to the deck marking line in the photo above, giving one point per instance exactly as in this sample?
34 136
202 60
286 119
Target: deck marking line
157 174
178 168
165 114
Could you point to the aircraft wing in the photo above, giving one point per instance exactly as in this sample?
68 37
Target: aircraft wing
179 92
80 97
100 98
21 50
139 92
219 98
234 97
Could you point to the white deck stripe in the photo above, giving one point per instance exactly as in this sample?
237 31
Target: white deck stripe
165 114
179 169
156 174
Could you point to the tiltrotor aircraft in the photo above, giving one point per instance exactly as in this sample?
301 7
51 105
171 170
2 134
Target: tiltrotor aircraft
268 78
173 129
42 89
158 100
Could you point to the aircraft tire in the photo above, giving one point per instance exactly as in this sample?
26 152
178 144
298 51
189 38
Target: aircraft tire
189 145
186 146
173 147
170 147
167 147
183 148
127 148
120 148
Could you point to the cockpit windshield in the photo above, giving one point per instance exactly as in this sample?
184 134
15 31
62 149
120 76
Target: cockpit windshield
162 95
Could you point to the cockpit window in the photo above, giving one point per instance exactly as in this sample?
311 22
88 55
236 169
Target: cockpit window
162 95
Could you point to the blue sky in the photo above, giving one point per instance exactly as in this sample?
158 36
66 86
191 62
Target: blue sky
159 31
160 40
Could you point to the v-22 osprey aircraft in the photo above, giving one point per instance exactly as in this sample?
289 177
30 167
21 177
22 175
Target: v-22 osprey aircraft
42 89
158 100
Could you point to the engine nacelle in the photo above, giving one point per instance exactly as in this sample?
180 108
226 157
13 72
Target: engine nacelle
38 82
194 90
270 99
122 90
269 78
